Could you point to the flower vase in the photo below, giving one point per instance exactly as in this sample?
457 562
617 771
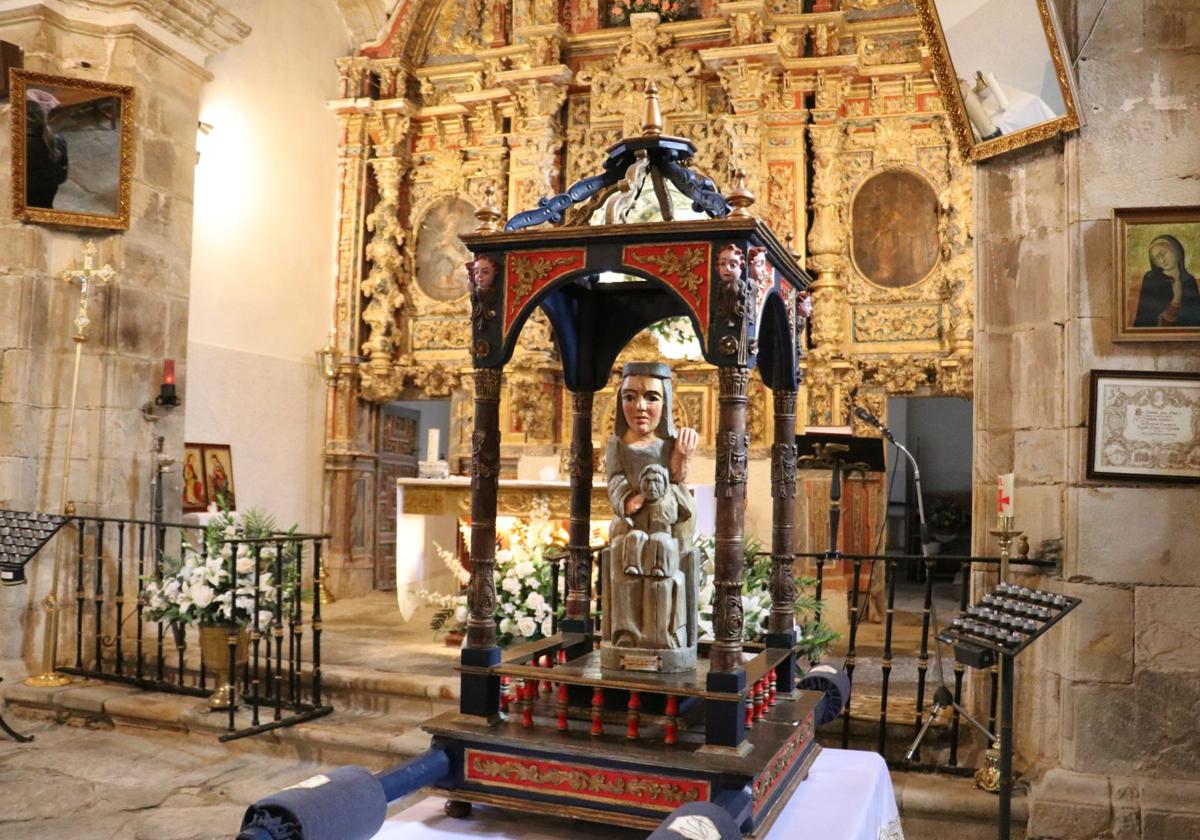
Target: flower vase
214 649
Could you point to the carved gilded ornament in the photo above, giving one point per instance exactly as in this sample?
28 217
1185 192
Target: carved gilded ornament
898 322
646 54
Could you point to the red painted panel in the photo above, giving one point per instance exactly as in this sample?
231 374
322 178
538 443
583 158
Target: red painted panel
528 272
582 781
685 267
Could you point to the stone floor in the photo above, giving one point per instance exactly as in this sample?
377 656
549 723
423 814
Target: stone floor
88 783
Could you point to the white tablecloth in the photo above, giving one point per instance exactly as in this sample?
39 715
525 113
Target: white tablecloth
847 796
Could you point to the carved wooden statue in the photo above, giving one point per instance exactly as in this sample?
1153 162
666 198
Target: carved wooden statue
652 571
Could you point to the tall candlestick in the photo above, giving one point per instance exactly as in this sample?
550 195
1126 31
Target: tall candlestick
432 440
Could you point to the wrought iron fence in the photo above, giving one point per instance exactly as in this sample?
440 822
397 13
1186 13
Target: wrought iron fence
948 741
111 561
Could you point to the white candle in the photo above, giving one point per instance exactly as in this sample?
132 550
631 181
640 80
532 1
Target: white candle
994 87
1004 495
431 444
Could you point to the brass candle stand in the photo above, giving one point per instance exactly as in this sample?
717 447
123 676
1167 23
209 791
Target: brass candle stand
988 777
88 278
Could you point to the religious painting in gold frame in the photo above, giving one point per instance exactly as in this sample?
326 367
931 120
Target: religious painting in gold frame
894 228
1156 268
72 151
195 488
441 257
1001 70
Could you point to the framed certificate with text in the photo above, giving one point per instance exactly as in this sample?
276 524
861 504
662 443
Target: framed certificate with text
1144 426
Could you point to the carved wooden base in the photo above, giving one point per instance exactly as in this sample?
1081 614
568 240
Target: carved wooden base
611 779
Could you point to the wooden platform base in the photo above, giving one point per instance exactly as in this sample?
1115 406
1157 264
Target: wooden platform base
612 779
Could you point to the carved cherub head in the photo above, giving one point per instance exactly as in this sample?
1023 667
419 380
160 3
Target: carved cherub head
654 482
483 272
730 261
760 269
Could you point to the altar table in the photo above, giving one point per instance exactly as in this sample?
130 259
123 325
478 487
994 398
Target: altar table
847 796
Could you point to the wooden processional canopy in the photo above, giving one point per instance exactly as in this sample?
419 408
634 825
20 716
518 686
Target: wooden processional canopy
740 288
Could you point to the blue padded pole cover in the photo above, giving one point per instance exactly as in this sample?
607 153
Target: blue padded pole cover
698 819
347 803
831 682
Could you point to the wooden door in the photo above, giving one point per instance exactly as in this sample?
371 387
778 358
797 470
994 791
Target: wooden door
398 447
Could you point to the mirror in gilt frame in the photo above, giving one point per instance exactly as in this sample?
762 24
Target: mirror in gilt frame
1001 71
72 151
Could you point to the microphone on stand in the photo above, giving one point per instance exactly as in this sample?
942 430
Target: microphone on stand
870 419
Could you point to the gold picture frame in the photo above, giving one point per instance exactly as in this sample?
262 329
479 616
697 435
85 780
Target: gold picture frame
72 151
1002 116
1156 294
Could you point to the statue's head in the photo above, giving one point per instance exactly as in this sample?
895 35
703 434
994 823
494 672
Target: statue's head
483 272
760 269
644 401
654 482
730 263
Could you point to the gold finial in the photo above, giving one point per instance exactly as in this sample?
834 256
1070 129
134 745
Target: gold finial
488 215
741 197
652 119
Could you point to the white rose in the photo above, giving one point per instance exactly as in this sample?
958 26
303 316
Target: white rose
504 555
201 594
460 614
511 586
535 601
245 564
265 618
526 626
509 608
524 569
507 625
547 627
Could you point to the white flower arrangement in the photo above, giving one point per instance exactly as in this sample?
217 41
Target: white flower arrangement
523 578
812 635
210 586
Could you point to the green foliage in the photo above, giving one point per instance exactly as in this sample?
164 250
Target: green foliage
814 636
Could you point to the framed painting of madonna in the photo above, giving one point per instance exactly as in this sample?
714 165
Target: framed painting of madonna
1155 264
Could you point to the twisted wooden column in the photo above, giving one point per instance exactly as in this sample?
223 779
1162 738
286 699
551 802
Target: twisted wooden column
485 473
783 491
732 459
579 570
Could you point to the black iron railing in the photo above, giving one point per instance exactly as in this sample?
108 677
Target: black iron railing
111 561
892 565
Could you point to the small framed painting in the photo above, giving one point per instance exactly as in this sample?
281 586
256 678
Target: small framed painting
195 493
218 474
1144 426
1156 296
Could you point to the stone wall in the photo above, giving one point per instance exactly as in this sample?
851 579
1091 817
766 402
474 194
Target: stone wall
1107 702
136 323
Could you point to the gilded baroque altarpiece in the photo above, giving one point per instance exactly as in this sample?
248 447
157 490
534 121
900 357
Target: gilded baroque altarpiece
831 113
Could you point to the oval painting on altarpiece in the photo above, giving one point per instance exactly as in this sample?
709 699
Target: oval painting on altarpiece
441 256
894 229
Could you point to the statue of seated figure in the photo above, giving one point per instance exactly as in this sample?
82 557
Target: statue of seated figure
652 581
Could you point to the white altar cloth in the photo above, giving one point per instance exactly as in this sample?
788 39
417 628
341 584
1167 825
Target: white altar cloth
847 796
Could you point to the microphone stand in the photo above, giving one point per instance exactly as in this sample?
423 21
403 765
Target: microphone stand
942 698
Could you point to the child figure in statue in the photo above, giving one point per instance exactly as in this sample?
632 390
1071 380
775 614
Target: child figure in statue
652 587
660 555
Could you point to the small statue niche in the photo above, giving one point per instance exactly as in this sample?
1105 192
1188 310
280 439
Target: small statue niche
652 584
